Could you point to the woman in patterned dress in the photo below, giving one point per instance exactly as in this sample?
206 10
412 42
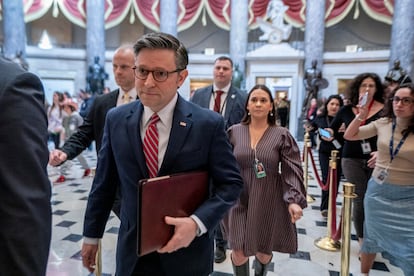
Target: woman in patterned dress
263 219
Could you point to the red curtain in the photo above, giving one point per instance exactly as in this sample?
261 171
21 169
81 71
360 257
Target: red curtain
147 11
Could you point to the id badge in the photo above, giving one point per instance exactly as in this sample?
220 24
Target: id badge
381 176
366 147
259 170
336 144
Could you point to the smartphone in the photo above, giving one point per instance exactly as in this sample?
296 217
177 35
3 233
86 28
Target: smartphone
364 99
324 133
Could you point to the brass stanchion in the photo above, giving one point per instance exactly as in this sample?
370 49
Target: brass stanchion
349 194
327 243
307 141
98 260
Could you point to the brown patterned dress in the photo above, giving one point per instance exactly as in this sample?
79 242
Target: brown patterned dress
260 221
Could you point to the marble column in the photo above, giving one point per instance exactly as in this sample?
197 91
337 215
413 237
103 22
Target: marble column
14 29
238 35
402 35
314 42
95 31
314 32
168 16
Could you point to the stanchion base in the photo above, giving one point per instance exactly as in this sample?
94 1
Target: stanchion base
327 243
310 199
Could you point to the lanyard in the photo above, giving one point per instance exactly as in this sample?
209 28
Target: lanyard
393 152
369 108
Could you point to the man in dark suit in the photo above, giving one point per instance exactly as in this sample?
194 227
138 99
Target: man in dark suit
190 138
25 210
92 128
232 99
231 106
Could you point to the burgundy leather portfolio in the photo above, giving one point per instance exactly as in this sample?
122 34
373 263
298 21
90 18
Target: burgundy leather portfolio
177 195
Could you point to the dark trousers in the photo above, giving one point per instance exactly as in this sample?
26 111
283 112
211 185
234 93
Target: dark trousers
55 138
358 173
218 236
148 265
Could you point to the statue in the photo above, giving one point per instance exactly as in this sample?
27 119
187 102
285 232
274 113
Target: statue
237 77
96 78
313 81
395 77
272 25
397 74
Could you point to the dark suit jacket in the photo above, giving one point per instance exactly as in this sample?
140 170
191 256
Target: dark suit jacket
25 210
197 142
92 127
235 103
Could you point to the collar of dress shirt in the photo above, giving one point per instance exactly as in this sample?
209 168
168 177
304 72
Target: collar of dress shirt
165 114
225 89
132 93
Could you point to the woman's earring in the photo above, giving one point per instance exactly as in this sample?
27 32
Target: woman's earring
271 114
248 113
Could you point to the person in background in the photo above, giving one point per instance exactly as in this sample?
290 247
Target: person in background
358 157
328 144
54 116
232 99
228 100
25 210
71 122
92 127
389 200
87 101
263 219
191 138
310 116
283 110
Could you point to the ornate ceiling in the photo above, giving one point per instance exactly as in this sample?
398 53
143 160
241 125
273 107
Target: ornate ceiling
148 11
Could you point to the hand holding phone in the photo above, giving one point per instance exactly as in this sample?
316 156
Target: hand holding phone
364 99
324 133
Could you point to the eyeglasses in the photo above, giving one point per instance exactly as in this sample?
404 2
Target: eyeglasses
158 75
404 101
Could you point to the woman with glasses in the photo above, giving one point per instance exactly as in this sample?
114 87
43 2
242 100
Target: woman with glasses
389 200
358 157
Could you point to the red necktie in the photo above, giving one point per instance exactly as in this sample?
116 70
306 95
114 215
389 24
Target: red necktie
151 146
217 101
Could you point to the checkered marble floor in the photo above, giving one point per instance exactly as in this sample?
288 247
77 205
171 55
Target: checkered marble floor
68 207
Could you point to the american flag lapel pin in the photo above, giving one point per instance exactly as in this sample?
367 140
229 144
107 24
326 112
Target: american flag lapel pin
183 124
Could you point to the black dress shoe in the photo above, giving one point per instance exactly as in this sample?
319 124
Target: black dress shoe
219 255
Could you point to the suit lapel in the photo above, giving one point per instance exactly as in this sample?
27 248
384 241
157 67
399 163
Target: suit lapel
206 97
180 128
134 136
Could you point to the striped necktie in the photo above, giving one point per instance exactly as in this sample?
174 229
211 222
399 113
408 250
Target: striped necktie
151 146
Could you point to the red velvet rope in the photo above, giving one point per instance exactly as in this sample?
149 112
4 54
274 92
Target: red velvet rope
335 231
323 186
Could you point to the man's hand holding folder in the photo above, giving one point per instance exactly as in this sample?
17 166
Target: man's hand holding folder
165 206
185 230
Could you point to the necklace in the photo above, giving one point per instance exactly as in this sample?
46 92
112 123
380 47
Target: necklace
256 134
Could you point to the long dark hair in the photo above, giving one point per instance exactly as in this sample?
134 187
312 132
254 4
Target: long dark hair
330 98
353 88
271 117
388 110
